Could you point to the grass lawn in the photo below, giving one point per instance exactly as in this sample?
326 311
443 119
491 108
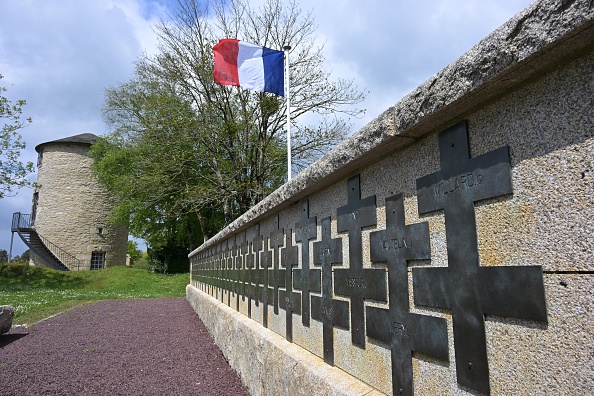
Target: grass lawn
36 293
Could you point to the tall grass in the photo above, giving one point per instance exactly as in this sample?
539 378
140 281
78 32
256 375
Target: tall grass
37 293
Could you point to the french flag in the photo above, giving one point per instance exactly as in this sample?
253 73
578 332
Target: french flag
249 66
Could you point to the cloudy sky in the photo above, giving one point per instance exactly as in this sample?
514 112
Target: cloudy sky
61 55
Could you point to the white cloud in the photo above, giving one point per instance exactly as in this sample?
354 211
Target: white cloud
60 56
392 47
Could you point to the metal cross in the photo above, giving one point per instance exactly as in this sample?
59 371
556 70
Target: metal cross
210 271
196 268
218 271
232 271
206 270
325 309
251 263
256 273
213 270
404 331
289 300
227 265
238 273
276 241
464 287
357 283
262 290
307 280
244 276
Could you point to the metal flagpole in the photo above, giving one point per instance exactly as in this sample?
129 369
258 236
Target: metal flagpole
10 251
288 96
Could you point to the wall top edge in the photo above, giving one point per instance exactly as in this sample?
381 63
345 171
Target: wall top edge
545 35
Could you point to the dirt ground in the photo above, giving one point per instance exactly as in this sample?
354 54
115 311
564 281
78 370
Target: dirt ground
118 347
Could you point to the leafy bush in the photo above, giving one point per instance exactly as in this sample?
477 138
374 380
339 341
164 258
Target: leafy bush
143 263
171 258
133 251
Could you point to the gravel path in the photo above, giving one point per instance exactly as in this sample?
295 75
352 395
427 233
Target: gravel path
119 347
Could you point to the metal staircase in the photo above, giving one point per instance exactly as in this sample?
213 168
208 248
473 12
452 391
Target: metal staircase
45 253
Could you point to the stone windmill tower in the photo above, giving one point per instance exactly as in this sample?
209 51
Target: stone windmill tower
67 228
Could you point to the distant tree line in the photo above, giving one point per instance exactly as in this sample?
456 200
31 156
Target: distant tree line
23 258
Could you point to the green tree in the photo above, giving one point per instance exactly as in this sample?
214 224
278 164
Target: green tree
134 252
186 156
3 256
156 179
23 258
13 173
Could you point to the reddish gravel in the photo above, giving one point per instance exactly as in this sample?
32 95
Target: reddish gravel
120 347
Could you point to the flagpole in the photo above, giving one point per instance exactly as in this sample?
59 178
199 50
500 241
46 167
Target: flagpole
286 48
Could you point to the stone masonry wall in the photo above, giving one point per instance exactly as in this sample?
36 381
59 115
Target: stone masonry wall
446 248
73 208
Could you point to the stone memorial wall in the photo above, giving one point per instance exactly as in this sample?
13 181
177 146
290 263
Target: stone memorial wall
446 248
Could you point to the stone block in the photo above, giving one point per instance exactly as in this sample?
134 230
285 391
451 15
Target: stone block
6 315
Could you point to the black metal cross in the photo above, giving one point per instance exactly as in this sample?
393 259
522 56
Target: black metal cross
244 275
404 331
231 267
221 262
357 283
262 288
213 265
217 277
196 268
227 265
256 272
276 241
289 300
464 287
251 264
325 309
238 273
212 273
218 272
204 271
307 280
208 271
221 271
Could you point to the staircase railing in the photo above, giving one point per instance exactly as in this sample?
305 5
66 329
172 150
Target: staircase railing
65 258
22 223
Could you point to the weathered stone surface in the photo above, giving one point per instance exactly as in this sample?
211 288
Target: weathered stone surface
73 208
265 361
6 315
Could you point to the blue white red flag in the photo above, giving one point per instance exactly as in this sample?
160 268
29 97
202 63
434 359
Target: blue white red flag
249 66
